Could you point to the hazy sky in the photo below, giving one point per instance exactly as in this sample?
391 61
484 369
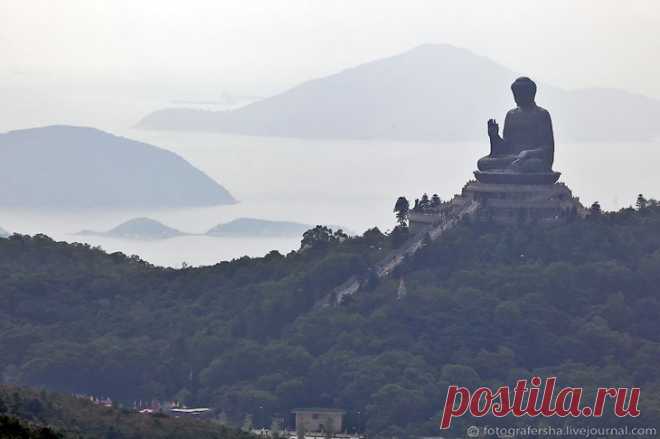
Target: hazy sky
194 48
108 63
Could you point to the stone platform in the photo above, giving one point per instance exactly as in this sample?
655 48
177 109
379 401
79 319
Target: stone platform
503 177
507 204
522 203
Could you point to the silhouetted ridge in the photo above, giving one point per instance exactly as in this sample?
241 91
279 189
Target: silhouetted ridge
432 92
64 166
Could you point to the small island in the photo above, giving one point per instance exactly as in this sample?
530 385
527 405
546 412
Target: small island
147 229
242 227
142 229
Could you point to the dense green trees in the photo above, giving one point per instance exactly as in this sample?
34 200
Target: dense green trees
484 306
401 208
29 414
14 428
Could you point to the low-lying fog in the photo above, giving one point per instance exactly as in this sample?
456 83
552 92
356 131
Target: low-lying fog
346 182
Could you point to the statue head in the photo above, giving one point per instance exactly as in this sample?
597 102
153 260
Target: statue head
524 90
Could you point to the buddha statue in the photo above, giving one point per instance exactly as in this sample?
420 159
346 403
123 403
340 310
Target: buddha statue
527 143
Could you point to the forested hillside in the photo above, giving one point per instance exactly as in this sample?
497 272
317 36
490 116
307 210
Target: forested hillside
28 414
484 305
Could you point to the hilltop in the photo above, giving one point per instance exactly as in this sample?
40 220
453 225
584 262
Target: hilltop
482 306
76 167
432 93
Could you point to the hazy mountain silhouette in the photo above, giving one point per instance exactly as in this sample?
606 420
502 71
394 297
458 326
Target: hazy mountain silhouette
138 228
432 92
3 233
64 166
258 227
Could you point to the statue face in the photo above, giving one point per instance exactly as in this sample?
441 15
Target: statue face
524 91
523 98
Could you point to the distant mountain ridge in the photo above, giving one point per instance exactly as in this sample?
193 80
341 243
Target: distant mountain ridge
65 166
3 233
432 92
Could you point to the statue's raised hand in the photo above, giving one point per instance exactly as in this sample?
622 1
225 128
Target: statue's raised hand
493 128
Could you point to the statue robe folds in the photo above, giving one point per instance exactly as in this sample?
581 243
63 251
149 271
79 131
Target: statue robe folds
527 144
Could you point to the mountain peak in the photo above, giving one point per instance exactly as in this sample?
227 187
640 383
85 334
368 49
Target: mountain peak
432 92
436 48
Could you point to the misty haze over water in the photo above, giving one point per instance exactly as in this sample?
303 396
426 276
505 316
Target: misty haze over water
347 182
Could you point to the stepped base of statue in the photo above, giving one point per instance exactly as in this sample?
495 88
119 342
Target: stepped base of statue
507 177
506 204
516 203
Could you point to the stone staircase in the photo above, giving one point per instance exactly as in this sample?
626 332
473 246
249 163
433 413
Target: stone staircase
454 211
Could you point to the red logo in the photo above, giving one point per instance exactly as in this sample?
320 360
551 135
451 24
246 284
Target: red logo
528 398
